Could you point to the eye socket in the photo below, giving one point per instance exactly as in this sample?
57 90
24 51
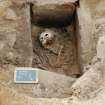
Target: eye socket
46 34
41 38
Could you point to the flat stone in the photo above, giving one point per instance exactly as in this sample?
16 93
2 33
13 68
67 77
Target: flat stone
18 3
42 2
10 14
16 37
101 47
4 4
50 85
55 85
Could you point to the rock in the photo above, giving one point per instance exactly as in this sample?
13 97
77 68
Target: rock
1 46
10 14
11 97
92 40
62 83
44 89
15 37
101 48
85 35
4 4
18 3
47 2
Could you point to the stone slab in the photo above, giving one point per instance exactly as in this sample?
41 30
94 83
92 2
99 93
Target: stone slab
15 36
42 2
50 85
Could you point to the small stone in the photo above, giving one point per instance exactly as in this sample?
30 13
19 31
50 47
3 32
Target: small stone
1 46
10 56
46 89
10 15
19 3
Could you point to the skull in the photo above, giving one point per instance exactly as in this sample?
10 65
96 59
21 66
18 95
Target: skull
47 38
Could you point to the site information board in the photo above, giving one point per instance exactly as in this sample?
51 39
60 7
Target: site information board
26 75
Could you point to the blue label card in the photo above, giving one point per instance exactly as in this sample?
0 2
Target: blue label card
26 75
